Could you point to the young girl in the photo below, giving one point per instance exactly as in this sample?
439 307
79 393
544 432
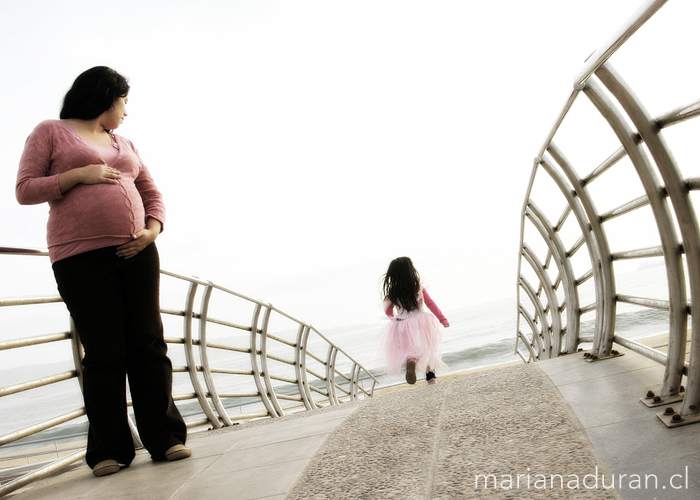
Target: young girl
412 337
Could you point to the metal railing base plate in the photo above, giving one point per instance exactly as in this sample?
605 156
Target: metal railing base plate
593 359
670 422
655 400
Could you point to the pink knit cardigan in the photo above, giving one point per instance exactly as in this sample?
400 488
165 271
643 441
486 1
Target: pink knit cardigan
85 217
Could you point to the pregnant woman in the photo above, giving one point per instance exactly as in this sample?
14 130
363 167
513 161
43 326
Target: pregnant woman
105 215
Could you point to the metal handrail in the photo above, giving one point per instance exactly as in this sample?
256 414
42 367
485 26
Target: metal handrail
633 23
666 193
338 383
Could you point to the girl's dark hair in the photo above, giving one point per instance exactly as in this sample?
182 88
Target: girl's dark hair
93 93
402 284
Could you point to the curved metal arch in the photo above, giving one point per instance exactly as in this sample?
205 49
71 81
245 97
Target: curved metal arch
530 349
354 382
330 374
686 217
536 337
303 348
262 391
263 362
574 202
552 298
566 272
657 199
543 334
605 317
643 14
204 355
299 363
189 358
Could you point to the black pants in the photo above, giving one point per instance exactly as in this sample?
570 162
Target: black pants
115 304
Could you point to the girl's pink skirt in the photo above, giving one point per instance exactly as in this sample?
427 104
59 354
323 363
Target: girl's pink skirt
417 337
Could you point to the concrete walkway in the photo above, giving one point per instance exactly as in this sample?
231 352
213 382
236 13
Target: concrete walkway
628 436
529 431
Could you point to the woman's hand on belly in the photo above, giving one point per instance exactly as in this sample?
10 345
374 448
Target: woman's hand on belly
140 240
89 174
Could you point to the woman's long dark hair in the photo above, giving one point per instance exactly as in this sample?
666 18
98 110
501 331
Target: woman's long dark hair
93 93
402 284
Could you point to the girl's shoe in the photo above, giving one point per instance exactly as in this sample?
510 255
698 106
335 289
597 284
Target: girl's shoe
432 381
430 378
411 372
105 468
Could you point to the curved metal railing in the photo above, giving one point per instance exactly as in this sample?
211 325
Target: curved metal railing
241 358
549 310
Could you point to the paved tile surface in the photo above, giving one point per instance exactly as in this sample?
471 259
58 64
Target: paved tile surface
444 441
258 460
529 431
627 435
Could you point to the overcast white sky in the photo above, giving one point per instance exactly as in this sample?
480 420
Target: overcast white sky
301 145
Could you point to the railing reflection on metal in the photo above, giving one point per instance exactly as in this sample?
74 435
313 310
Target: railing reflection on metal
666 193
266 365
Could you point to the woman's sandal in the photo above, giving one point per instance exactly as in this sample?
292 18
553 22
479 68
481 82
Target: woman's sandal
105 468
177 452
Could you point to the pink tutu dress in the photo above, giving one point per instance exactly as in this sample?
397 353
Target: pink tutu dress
413 335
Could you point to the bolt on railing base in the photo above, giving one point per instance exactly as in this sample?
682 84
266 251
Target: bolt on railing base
590 358
671 418
652 399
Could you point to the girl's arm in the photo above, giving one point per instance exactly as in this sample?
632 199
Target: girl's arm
434 308
389 308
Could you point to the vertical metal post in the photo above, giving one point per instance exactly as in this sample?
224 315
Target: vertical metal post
603 268
545 350
206 370
263 362
536 336
528 344
552 299
688 224
190 358
262 390
302 364
299 367
559 254
657 200
353 382
528 193
571 292
330 374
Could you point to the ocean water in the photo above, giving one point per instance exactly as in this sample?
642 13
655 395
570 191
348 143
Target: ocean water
484 334
480 335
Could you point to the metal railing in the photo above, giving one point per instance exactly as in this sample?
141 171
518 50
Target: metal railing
550 312
261 362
